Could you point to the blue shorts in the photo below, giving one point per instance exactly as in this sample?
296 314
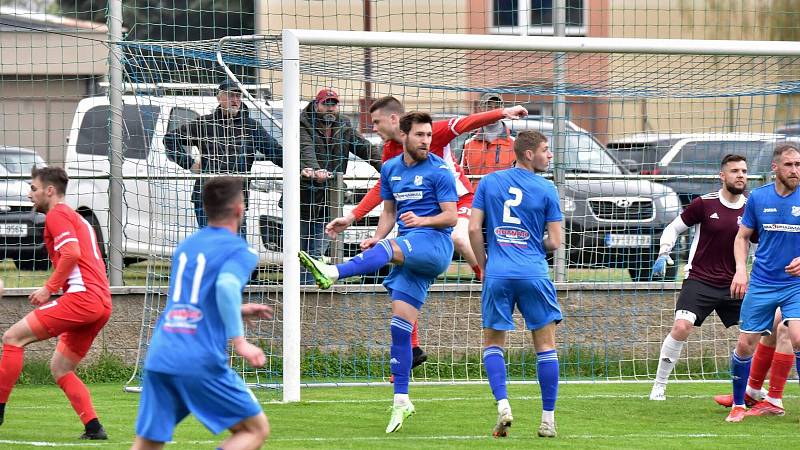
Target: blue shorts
534 297
427 253
218 402
760 303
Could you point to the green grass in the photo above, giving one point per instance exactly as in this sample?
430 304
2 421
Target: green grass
588 415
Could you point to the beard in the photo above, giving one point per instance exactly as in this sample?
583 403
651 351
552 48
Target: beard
788 182
733 189
329 118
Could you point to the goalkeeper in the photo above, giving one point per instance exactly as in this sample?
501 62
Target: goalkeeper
710 268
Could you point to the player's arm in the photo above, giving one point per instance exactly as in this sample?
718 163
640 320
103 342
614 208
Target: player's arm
228 288
553 240
386 223
447 218
370 201
476 240
69 251
741 245
474 121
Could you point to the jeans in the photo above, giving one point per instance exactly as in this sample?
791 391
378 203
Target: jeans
312 241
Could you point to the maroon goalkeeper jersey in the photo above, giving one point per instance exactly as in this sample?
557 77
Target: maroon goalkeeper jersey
717 222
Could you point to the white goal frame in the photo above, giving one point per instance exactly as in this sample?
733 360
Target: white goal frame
292 39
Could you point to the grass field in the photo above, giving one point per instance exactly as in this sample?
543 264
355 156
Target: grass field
454 416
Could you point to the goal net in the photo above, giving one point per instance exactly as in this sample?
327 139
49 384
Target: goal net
638 131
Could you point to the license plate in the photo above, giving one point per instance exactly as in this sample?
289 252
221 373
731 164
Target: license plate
357 235
628 240
13 229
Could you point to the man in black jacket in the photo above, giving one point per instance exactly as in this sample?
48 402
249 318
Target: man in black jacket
326 140
228 140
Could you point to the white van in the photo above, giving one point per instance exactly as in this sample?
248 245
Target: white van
157 210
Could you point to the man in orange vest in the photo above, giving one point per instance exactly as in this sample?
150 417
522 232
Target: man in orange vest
492 146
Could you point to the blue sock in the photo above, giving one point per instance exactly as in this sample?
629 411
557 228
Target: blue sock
495 364
547 370
400 363
367 262
740 371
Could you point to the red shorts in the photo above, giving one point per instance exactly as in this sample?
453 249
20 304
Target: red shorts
464 205
76 318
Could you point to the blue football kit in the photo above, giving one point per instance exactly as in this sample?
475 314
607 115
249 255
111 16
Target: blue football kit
186 367
517 206
777 221
427 251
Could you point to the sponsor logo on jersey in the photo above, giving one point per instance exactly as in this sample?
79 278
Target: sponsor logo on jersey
183 319
787 227
714 216
770 210
511 235
796 211
412 195
418 180
395 178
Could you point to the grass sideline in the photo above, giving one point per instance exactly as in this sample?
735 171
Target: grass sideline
451 416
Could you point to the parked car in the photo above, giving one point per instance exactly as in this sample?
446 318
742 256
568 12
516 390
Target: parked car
156 210
21 228
609 223
695 154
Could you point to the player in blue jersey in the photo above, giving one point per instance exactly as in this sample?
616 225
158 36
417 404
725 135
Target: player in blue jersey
511 212
186 367
772 210
419 194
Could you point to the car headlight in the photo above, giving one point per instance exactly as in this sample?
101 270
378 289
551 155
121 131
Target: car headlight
267 185
670 203
568 204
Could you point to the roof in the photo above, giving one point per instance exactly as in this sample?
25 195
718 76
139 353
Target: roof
646 138
19 19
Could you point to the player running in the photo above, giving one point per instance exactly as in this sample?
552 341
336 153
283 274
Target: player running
385 114
420 196
517 207
710 267
77 316
186 367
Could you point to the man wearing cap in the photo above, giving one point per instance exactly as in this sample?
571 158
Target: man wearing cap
227 139
492 146
326 141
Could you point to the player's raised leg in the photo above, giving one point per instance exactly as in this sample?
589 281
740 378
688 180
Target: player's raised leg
378 255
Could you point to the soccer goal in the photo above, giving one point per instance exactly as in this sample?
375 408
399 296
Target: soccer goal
637 127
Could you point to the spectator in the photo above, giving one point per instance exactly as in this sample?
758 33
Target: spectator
326 141
492 146
227 139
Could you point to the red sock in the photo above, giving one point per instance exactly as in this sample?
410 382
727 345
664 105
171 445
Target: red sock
760 366
478 273
781 366
415 336
78 396
10 368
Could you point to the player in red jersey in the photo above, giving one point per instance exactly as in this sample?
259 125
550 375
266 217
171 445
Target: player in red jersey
385 114
77 315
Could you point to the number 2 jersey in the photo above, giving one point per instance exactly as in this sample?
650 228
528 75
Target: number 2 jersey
517 204
190 338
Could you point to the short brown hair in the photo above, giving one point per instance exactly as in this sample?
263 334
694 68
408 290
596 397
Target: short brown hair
389 104
527 140
730 157
409 119
781 149
220 195
51 176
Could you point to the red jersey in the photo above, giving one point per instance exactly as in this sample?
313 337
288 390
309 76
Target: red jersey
63 225
444 131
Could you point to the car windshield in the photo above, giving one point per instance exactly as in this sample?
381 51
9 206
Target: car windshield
704 156
644 153
21 162
585 155
271 124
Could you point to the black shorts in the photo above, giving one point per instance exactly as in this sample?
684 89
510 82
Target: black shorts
702 298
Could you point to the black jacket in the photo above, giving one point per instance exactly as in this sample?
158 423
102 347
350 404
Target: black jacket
327 148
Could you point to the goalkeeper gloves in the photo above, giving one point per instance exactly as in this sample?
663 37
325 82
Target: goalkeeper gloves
660 266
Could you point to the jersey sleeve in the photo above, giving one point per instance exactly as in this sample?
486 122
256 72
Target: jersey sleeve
693 214
553 211
241 264
445 187
61 228
386 191
749 217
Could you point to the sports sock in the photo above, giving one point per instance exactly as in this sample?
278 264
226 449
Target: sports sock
495 364
400 352
415 335
781 366
740 368
368 261
10 368
549 416
78 396
670 352
547 371
762 359
478 272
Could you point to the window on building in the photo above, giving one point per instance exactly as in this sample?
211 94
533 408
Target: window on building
505 17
